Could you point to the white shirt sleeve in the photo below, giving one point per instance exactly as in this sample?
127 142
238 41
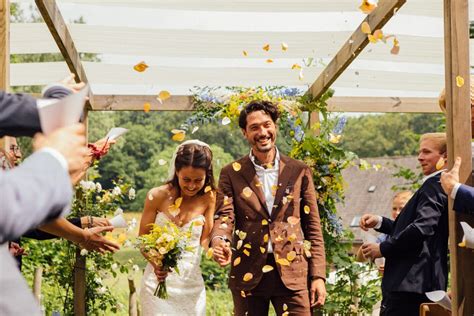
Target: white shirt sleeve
57 155
379 224
455 190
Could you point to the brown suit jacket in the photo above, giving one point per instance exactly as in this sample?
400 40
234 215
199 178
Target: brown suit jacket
247 213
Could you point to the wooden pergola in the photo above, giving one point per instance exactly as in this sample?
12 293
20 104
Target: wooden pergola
456 63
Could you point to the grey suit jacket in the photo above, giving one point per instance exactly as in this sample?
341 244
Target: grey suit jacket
16 297
34 192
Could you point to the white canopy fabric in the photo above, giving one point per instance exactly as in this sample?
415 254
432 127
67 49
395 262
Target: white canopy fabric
190 43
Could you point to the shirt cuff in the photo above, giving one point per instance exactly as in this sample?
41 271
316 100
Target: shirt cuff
455 190
57 155
379 224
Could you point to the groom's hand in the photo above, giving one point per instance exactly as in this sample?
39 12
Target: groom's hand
222 253
317 292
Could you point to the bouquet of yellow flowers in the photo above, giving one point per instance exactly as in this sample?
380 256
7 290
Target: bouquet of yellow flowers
164 246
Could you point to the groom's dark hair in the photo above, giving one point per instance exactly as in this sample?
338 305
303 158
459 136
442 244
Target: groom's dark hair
265 106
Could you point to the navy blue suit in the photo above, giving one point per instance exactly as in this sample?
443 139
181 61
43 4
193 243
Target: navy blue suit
464 201
416 250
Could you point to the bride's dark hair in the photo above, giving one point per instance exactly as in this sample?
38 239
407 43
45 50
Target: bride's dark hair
196 156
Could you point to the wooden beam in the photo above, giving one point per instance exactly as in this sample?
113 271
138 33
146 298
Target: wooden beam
4 45
335 104
458 123
354 46
58 28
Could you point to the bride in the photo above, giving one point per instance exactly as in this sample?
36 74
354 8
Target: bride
190 177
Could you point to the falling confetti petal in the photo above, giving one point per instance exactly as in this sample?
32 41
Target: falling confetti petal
140 67
367 7
292 220
291 256
242 293
226 200
162 162
292 237
378 34
262 250
440 163
258 184
163 95
146 107
264 222
236 261
207 189
459 81
396 47
284 46
209 253
283 262
242 235
247 192
248 246
195 129
269 61
246 252
285 307
306 209
239 244
150 197
267 268
335 139
365 28
296 66
266 47
265 238
236 166
178 136
278 238
248 276
225 121
301 75
244 52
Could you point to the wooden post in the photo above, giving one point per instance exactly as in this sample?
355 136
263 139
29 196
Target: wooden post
80 284
314 119
132 299
4 45
37 279
458 123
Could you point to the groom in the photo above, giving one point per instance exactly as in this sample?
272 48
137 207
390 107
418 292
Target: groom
277 248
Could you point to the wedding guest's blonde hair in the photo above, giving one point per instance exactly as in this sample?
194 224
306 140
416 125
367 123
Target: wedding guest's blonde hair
438 138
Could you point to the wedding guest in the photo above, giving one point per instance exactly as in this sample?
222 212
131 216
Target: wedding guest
416 249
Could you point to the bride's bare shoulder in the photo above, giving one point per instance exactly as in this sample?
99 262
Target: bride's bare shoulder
160 194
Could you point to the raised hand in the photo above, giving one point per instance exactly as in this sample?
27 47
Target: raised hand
222 253
94 241
368 221
451 177
71 83
70 141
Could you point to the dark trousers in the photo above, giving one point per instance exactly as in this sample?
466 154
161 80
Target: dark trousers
402 303
271 289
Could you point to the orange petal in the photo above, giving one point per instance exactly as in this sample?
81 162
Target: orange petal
378 34
146 107
248 276
266 47
236 261
296 66
163 95
367 7
140 67
365 28
236 166
269 61
283 262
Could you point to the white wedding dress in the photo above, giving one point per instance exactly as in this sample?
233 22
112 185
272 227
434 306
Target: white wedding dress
186 292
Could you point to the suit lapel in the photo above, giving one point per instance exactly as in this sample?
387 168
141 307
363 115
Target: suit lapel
285 172
250 175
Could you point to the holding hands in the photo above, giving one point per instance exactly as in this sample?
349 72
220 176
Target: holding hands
222 253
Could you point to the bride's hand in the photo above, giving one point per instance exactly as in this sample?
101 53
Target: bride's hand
160 273
222 253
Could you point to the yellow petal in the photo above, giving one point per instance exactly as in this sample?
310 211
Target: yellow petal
269 61
242 234
335 139
178 136
264 222
267 268
274 189
262 250
365 28
306 209
258 184
291 256
283 262
284 46
378 34
265 238
207 189
462 244
372 39
248 246
278 238
248 276
285 313
307 253
140 67
296 66
244 52
146 107
178 201
239 244
459 81
246 252
242 293
266 47
367 7
440 163
247 192
226 200
293 220
236 166
292 237
163 95
285 307
209 253
236 261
